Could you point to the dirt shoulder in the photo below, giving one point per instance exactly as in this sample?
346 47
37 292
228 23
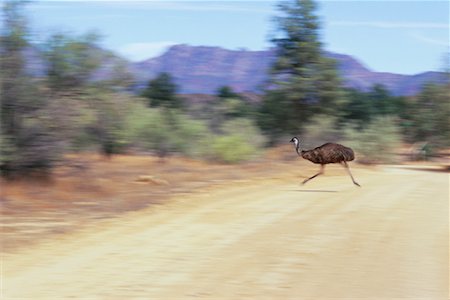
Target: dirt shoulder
89 189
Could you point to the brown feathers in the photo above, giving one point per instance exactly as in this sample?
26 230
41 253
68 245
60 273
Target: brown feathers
329 153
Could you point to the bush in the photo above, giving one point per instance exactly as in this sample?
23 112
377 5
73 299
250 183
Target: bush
81 135
241 141
377 142
164 130
428 117
190 137
231 149
146 129
8 153
34 149
319 130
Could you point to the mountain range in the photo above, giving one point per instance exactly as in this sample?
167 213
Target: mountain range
203 69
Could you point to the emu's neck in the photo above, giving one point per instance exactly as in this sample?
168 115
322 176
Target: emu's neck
297 148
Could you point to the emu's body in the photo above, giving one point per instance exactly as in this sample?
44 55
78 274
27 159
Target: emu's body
328 153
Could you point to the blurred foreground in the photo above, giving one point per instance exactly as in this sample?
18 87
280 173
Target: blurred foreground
226 232
89 188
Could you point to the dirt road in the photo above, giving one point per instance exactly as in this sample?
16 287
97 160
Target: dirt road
258 239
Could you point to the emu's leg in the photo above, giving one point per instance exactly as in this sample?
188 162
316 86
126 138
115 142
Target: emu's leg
344 163
322 167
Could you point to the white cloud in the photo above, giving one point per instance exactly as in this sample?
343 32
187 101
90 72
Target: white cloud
429 40
383 24
142 51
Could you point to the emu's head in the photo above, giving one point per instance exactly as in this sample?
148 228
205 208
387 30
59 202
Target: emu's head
296 142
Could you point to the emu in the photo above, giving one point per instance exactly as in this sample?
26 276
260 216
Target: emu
328 153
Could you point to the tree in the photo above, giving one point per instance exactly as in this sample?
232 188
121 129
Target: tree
28 141
305 81
161 91
228 105
226 92
358 109
71 61
384 103
362 107
275 117
429 116
12 64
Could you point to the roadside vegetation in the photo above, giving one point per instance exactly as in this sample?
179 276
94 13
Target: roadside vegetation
67 110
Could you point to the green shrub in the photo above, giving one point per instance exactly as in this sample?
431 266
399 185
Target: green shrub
164 130
377 142
231 149
241 141
81 136
147 129
190 137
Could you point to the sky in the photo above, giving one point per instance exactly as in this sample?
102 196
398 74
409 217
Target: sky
405 37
